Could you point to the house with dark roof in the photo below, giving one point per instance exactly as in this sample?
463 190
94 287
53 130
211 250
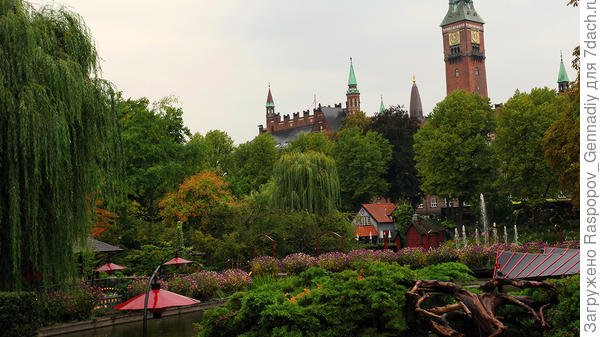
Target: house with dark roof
374 222
425 234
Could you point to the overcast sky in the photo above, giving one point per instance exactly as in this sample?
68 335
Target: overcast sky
218 57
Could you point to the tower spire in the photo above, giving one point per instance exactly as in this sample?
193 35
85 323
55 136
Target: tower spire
381 106
416 108
563 78
352 95
270 103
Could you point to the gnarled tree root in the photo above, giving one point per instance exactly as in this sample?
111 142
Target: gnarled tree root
480 308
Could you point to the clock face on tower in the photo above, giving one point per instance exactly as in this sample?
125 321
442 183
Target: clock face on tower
475 37
454 38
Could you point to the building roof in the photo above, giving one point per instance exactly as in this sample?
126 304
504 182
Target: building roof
426 227
380 212
553 262
562 72
334 116
284 137
97 246
416 108
363 231
461 10
270 102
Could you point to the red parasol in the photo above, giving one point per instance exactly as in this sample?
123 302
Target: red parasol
176 261
110 267
158 300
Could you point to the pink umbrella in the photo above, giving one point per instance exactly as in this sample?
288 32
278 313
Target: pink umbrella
158 301
110 267
176 261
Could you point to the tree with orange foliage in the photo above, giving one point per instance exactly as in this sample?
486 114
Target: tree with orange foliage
197 198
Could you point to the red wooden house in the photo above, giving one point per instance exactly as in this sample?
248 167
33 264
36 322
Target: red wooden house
426 235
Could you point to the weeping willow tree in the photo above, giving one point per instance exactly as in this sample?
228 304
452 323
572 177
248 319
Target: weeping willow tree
306 181
58 141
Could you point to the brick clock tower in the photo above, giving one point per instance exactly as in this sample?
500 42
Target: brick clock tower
464 48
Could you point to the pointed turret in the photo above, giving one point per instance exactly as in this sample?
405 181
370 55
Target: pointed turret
563 78
416 108
352 95
381 106
270 104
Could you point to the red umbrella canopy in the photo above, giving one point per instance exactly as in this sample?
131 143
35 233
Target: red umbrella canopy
157 299
110 267
176 261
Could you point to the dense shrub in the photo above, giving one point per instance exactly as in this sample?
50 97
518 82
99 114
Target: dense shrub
235 280
264 265
75 304
185 285
564 317
318 303
299 262
476 257
20 314
333 261
449 271
414 257
209 284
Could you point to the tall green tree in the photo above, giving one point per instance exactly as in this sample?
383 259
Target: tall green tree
58 141
395 125
453 150
362 161
520 127
312 141
253 164
219 148
561 147
306 182
153 145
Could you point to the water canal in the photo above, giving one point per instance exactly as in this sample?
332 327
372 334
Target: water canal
171 326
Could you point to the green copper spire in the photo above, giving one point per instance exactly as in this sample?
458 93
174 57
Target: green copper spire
562 72
381 106
461 10
352 84
352 77
270 103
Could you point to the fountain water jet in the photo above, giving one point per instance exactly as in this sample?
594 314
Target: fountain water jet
505 236
464 232
477 236
516 236
484 220
456 237
495 234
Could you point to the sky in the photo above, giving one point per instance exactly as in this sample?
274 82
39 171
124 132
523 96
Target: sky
219 56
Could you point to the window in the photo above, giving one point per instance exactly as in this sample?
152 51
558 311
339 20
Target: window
433 202
364 220
476 71
475 49
420 206
456 73
455 50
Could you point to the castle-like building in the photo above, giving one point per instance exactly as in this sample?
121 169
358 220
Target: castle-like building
464 56
323 118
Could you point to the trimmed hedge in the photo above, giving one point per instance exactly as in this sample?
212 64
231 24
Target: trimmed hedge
20 314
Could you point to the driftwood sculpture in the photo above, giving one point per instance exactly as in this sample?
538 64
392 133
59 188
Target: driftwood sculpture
479 308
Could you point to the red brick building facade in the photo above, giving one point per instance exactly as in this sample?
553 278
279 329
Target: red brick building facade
464 48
